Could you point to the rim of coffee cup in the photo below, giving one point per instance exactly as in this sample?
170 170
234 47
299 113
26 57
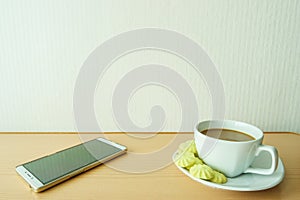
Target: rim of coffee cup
257 133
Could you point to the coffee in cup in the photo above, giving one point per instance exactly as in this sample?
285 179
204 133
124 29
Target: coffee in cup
227 134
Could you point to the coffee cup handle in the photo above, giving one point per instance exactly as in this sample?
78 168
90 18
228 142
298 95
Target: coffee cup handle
274 156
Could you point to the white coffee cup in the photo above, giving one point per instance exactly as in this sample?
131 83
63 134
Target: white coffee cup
233 157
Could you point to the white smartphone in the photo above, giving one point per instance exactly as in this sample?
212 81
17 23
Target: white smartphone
55 168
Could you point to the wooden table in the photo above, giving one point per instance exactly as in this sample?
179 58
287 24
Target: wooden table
105 183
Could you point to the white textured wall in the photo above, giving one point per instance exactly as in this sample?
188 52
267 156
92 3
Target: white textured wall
254 44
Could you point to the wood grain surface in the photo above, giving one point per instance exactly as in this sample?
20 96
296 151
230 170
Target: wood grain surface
105 183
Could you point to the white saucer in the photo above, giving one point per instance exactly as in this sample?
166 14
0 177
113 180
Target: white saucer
246 182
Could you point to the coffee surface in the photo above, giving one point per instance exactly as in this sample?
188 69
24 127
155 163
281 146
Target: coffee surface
229 135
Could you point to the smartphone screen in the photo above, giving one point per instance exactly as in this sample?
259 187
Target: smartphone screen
50 168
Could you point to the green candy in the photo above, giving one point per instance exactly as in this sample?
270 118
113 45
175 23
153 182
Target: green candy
188 146
197 161
219 178
186 159
202 171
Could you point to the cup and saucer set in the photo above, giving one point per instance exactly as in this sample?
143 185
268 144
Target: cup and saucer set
235 149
